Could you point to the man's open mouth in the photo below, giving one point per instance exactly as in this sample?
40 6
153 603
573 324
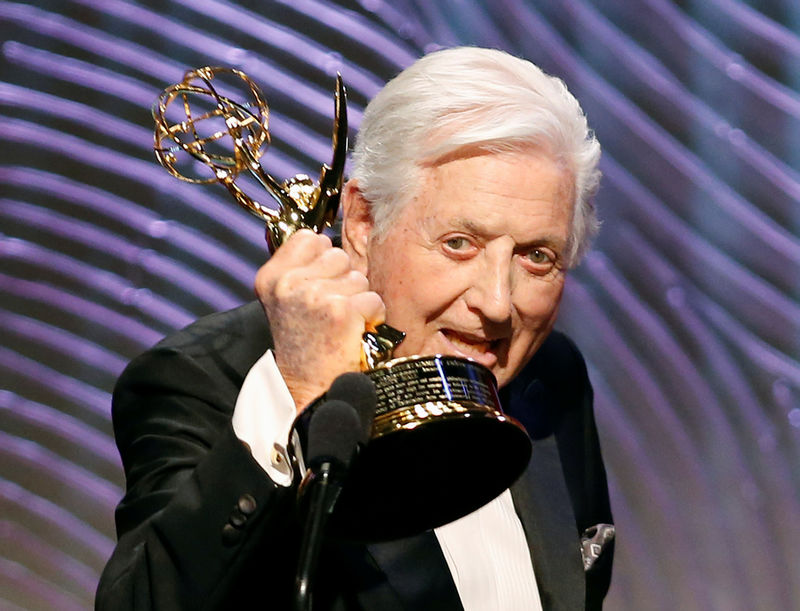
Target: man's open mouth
470 346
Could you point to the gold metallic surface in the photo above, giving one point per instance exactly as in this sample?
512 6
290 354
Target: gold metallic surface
378 344
228 135
412 416
418 389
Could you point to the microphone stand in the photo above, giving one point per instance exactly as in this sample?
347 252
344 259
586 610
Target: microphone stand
323 498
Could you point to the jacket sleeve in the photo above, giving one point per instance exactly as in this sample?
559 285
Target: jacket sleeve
197 506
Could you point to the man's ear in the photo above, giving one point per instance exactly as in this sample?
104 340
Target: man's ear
356 225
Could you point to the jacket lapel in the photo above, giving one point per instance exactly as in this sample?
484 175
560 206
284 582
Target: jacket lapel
541 497
542 503
417 576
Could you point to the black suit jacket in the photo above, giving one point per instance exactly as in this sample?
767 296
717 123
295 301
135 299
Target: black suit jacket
201 526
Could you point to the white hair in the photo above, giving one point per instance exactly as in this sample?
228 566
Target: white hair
470 97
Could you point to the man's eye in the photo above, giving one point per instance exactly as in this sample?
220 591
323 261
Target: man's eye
540 261
538 256
457 243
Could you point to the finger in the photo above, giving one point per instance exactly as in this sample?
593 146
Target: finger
296 261
301 248
332 263
370 306
345 285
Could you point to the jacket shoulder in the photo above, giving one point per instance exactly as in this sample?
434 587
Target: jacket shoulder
559 361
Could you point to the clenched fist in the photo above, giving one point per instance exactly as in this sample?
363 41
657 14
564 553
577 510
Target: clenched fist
317 307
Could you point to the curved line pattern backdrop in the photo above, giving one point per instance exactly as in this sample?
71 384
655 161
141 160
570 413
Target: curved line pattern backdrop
687 309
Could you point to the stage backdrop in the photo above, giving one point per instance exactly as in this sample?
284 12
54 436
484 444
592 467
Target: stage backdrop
687 309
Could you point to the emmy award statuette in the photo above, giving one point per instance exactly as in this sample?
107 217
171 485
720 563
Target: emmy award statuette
441 445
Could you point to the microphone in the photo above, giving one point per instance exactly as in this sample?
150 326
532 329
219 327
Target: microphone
334 433
355 389
358 390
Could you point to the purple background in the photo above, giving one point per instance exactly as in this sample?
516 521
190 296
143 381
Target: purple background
687 309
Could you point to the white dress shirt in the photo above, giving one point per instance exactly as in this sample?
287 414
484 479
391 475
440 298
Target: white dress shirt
486 551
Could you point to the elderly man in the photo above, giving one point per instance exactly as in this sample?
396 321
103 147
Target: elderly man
468 203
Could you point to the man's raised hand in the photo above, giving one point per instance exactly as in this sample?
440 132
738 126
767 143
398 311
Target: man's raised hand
317 306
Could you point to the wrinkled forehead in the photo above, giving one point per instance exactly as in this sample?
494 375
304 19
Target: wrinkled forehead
501 189
526 157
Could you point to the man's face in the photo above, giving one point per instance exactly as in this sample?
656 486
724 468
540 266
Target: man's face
472 267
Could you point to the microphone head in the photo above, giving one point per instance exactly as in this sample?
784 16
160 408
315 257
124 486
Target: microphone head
333 434
358 390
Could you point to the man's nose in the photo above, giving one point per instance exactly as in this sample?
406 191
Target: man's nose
490 293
